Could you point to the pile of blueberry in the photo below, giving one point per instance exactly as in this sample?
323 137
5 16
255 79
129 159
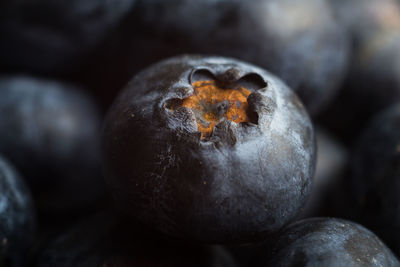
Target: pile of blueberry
209 133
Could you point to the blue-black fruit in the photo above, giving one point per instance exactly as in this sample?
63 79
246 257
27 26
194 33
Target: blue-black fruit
375 179
372 82
17 217
326 242
332 161
55 37
209 148
51 132
105 240
299 41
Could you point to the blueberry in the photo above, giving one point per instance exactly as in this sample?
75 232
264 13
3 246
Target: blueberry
299 41
375 176
177 163
55 37
51 132
373 80
17 218
326 242
106 240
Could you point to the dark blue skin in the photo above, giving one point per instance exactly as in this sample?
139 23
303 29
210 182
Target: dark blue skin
245 181
326 242
373 78
107 240
332 161
55 37
375 179
299 41
17 218
51 132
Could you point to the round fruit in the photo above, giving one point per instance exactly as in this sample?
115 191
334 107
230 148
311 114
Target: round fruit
373 81
299 41
55 37
17 219
375 180
51 132
326 242
210 149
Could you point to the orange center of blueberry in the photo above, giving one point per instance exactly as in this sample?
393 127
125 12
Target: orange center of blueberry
212 104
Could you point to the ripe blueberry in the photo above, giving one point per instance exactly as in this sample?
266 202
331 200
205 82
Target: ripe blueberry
209 148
